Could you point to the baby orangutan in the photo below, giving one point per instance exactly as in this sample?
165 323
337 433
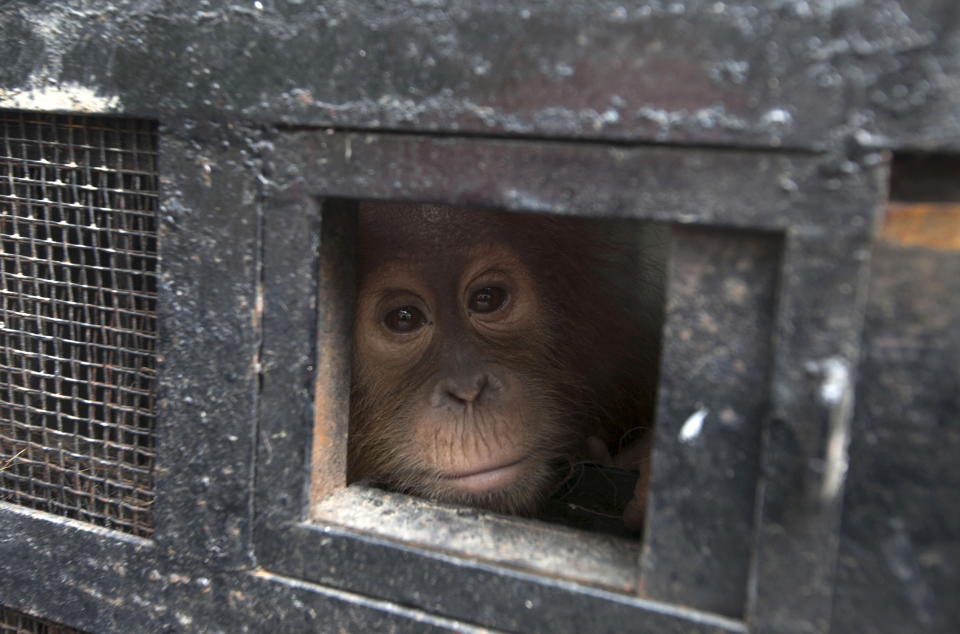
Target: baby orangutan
489 355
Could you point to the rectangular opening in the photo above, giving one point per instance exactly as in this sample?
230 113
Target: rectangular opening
504 378
720 283
78 271
924 207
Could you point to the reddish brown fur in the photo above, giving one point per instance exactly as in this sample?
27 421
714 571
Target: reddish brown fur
565 360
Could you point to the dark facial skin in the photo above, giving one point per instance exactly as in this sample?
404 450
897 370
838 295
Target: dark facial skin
470 385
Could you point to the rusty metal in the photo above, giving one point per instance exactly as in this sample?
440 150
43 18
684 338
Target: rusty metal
78 261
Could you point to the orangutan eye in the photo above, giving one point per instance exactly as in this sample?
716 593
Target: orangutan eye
487 299
405 319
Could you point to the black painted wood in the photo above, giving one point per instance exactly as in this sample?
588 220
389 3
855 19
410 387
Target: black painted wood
715 365
494 596
209 343
105 581
291 244
644 182
453 102
821 300
899 563
741 72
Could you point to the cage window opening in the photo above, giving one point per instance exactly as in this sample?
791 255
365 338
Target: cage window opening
602 483
613 553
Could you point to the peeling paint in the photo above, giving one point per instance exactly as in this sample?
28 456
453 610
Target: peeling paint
64 97
836 380
836 393
693 425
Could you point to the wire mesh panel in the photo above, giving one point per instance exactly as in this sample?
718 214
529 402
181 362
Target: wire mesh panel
12 622
78 265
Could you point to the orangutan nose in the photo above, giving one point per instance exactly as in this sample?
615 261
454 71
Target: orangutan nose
465 390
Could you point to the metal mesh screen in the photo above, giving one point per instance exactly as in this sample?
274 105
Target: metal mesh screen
78 266
12 622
